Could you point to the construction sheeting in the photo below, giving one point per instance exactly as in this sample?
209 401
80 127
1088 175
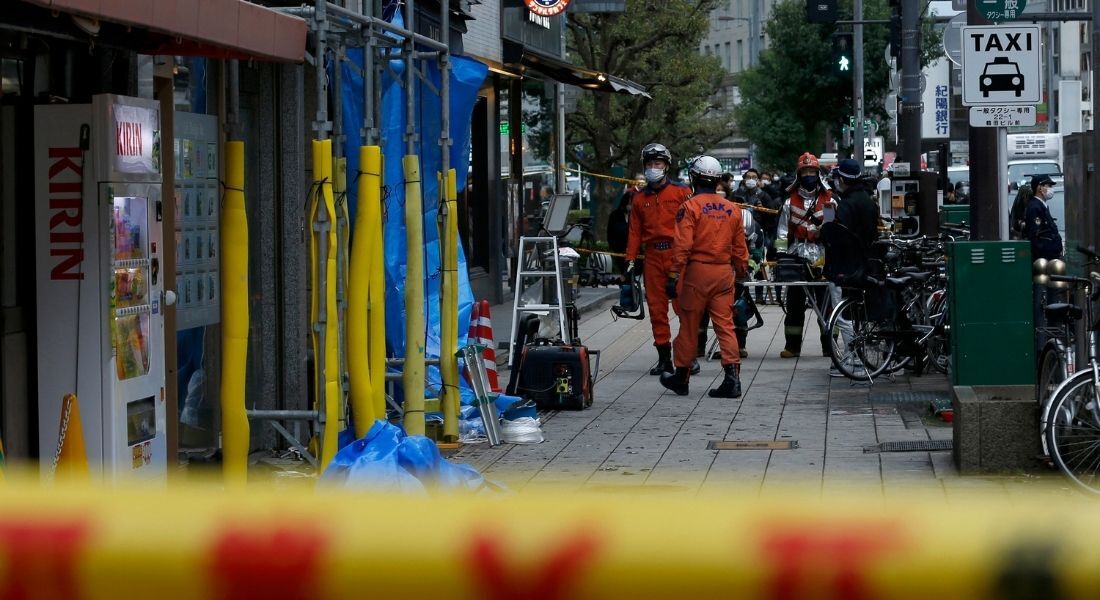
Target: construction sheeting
466 78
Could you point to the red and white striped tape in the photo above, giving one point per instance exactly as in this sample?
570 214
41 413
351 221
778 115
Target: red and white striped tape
485 338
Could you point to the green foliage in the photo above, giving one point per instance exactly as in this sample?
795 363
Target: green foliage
793 96
654 43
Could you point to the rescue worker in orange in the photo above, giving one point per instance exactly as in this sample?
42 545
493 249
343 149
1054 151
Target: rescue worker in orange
711 253
653 224
808 198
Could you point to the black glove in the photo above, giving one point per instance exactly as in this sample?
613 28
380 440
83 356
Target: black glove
670 287
629 268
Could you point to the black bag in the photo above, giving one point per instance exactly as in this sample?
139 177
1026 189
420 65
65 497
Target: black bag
556 376
789 267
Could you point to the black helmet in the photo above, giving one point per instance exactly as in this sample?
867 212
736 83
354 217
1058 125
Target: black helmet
656 151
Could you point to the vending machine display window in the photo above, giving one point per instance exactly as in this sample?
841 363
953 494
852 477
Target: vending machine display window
129 286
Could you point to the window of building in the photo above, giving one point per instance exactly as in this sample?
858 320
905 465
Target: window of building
740 55
729 58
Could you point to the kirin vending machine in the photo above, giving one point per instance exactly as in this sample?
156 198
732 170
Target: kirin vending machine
100 286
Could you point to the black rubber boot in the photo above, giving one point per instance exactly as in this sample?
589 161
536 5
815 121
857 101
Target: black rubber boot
731 383
695 368
677 381
664 360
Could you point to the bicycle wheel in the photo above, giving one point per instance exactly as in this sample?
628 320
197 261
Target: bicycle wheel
1073 431
856 347
1052 370
939 344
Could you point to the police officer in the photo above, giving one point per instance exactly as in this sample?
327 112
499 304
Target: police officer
709 252
1039 227
653 223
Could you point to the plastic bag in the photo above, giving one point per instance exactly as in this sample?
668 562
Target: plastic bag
524 430
812 252
387 460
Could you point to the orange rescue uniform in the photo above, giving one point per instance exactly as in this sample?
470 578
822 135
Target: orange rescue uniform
709 251
653 223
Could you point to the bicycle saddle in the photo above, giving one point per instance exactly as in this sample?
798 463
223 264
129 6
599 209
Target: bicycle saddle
897 282
1062 312
921 277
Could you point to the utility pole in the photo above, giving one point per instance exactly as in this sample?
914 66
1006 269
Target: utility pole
909 113
857 80
985 167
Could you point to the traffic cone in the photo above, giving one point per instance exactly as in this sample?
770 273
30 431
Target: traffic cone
485 338
72 458
472 338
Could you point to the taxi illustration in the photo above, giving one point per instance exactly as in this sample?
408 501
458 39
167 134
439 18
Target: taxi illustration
1001 75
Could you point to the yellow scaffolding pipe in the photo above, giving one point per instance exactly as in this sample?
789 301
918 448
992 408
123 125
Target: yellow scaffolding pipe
324 316
377 295
234 280
362 392
413 375
343 239
448 361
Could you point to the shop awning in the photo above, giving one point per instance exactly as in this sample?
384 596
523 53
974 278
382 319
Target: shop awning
213 28
559 70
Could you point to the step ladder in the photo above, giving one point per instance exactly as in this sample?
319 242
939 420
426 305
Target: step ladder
538 260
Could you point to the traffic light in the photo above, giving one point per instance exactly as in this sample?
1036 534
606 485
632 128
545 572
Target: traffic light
821 11
842 54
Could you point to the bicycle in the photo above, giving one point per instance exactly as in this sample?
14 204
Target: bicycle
868 339
1070 420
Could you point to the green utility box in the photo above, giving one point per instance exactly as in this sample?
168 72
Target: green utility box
954 214
992 319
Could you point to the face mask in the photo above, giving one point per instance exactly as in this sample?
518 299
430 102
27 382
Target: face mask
721 193
654 174
808 182
751 184
1048 194
765 182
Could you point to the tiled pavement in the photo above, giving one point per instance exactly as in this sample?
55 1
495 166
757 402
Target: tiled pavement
637 436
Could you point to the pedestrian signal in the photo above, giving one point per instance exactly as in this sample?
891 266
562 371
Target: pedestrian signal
842 53
821 11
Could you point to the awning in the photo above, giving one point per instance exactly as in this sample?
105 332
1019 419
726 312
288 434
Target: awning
559 70
213 28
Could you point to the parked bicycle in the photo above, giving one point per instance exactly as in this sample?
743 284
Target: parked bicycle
1070 420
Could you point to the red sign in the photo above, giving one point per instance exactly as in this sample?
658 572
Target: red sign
66 217
547 8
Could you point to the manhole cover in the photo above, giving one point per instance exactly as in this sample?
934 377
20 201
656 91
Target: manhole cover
906 397
761 445
918 446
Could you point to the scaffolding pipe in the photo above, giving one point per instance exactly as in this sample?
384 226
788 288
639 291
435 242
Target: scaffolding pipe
326 335
321 125
448 238
234 275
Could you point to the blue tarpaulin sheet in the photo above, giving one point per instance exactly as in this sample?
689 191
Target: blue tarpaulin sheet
465 80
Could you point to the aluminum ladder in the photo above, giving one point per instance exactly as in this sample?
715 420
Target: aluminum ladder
531 253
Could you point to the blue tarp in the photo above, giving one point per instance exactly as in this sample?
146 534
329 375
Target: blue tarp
466 78
387 460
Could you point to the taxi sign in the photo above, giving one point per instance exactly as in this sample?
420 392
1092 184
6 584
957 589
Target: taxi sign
1002 116
1000 65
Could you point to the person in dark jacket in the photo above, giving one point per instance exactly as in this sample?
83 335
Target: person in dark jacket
848 237
1039 227
618 224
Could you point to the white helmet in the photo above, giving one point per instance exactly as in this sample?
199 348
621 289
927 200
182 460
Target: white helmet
705 169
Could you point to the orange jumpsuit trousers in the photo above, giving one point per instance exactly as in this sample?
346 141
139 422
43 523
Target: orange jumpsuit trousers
705 288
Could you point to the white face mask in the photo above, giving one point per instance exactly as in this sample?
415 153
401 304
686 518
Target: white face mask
765 182
721 193
751 184
654 174
1048 194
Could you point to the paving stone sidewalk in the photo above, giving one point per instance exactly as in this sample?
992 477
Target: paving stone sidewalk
638 436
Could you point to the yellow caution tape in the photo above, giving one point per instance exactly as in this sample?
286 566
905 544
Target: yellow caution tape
203 543
769 211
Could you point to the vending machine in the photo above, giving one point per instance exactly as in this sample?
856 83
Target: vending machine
99 261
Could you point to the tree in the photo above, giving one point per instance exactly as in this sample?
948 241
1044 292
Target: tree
793 96
654 43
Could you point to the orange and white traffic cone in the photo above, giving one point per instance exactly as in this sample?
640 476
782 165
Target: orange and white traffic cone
472 337
485 338
71 459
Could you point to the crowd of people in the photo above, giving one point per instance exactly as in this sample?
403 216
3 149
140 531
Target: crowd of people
702 239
